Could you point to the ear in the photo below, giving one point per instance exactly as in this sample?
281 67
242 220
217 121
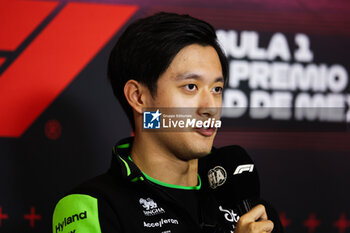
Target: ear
136 94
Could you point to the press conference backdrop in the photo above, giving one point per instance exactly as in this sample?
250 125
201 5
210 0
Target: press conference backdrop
288 59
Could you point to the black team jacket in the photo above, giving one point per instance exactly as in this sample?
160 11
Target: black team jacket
125 200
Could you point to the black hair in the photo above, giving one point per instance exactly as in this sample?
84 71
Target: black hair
148 46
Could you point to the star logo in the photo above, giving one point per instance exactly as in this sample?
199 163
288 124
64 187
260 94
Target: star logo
156 115
151 120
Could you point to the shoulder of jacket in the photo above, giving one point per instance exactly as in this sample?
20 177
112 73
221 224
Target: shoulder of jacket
76 213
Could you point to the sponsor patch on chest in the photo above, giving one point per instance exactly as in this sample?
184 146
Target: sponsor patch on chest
150 207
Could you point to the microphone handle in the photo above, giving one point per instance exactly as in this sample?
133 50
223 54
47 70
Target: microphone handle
244 206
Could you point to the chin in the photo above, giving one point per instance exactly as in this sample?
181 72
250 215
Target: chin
203 147
193 149
205 140
189 145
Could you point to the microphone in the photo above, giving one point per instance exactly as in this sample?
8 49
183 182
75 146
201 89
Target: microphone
229 174
231 177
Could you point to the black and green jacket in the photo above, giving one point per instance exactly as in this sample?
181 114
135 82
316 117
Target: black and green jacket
125 200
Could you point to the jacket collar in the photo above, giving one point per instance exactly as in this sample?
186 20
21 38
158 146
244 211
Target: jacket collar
129 170
121 153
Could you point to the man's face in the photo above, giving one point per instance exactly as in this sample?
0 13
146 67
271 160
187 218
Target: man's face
193 80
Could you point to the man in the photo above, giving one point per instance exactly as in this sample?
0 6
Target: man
162 61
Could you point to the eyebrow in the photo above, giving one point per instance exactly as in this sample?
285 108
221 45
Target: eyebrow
186 76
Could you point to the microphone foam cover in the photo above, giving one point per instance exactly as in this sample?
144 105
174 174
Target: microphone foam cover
229 173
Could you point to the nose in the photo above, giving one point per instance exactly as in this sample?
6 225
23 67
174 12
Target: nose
208 106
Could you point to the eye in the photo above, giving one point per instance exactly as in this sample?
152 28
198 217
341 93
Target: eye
191 87
217 90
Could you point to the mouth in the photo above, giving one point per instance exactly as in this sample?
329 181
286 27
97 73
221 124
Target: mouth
207 132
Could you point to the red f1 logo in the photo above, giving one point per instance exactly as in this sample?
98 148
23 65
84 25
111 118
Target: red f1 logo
54 55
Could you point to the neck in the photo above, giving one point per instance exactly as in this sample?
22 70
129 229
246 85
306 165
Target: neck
161 164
